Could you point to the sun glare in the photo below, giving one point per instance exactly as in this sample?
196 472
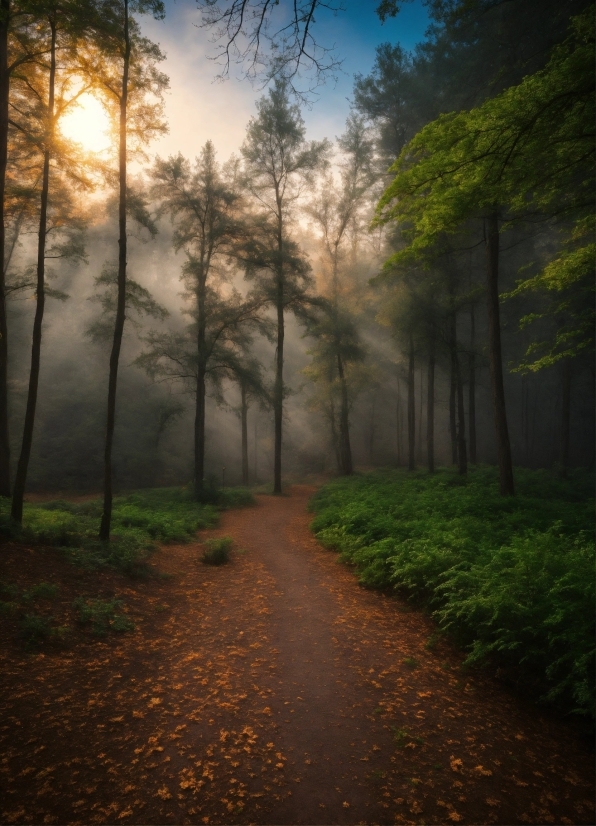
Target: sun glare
88 124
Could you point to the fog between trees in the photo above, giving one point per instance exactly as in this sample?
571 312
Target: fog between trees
294 253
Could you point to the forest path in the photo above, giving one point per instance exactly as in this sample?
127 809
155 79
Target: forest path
273 690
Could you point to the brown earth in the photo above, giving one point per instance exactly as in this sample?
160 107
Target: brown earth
273 690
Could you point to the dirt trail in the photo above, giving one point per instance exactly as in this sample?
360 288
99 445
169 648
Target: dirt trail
273 690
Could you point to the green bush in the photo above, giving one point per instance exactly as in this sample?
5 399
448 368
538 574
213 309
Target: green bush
43 590
511 578
139 520
217 551
102 615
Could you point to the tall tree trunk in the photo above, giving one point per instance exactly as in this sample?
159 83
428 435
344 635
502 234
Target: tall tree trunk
472 388
23 463
199 470
462 457
4 89
278 392
430 410
453 405
399 423
420 412
495 357
256 477
106 518
244 419
334 436
565 418
411 410
345 451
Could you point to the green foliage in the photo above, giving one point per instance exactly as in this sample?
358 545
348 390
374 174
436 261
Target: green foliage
512 579
43 590
526 152
217 551
36 630
102 616
138 521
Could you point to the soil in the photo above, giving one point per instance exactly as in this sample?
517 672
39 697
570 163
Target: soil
272 690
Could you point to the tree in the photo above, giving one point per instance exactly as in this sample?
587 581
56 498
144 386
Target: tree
14 52
337 214
249 37
529 148
205 205
40 108
125 70
278 163
174 357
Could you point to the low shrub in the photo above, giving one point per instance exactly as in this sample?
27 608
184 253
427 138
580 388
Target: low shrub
217 551
511 578
102 616
139 520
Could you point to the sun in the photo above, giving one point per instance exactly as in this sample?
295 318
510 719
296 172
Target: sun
87 124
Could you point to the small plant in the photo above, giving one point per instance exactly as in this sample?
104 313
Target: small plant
43 590
432 641
102 615
403 737
217 551
410 662
35 630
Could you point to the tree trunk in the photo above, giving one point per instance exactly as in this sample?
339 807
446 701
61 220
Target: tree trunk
4 89
23 463
244 418
398 422
411 410
495 357
106 518
472 389
334 436
278 392
452 405
462 457
199 470
565 419
345 451
430 410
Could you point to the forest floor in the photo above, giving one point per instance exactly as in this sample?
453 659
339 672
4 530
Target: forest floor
272 690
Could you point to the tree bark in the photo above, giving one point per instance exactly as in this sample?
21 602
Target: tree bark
495 357
398 423
411 410
4 90
106 518
565 419
23 463
199 470
472 389
452 405
244 421
430 410
278 392
462 457
345 451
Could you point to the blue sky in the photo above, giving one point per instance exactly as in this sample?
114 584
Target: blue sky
199 109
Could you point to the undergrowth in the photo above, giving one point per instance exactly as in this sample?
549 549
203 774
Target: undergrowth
217 551
510 578
139 520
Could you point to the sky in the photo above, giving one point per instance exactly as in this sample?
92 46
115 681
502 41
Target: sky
199 108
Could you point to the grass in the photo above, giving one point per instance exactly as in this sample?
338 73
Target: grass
510 578
139 520
102 616
217 551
